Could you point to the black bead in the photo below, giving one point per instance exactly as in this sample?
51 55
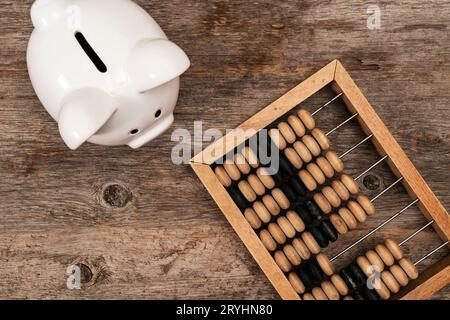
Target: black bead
345 274
320 238
315 270
286 166
370 294
358 276
357 295
314 209
304 214
298 186
329 231
305 276
238 198
289 192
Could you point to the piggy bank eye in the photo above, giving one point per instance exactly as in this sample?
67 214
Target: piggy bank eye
134 132
158 114
96 60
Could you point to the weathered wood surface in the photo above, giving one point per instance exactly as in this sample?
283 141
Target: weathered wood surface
158 234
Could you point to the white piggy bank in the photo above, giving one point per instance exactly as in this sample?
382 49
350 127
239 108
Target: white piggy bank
104 70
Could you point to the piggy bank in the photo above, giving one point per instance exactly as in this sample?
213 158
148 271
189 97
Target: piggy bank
104 70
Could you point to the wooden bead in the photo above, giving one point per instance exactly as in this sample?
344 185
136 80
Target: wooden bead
318 294
400 275
308 297
286 226
262 211
267 240
232 170
321 139
350 184
312 145
256 184
339 224
385 255
293 158
325 166
317 174
340 189
332 197
348 298
277 139
365 203
247 190
322 202
242 164
292 255
409 268
348 218
276 232
357 211
307 119
335 161
390 281
308 180
339 284
310 242
271 205
394 249
296 283
295 221
301 248
282 261
303 151
330 290
250 156
383 290
297 125
223 176
287 132
365 266
325 264
281 198
252 218
265 178
375 260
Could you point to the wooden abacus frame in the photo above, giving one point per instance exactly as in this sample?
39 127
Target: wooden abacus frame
431 280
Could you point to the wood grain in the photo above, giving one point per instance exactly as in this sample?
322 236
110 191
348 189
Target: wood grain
158 234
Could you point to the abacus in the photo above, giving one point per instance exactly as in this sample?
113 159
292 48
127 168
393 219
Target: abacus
289 216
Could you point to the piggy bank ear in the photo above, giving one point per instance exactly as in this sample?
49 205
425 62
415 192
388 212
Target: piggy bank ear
155 62
45 12
83 113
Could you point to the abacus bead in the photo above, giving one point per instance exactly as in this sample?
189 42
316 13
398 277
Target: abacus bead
308 180
340 189
370 294
297 125
295 221
313 209
238 198
375 260
312 145
350 184
366 204
325 264
292 255
308 297
385 255
394 248
271 205
289 192
276 232
365 266
317 174
303 151
399 274
348 218
339 224
357 295
232 170
287 132
310 242
256 185
296 283
262 211
304 214
298 186
335 161
325 166
307 119
277 139
252 218
318 294
357 211
265 178
390 281
293 158
345 276
339 284
223 176
323 203
286 226
267 240
305 277
321 138
281 198
349 298
409 268
251 157
319 236
358 276
282 261
247 190
329 231
241 163
331 196
330 290
314 269
301 248
286 166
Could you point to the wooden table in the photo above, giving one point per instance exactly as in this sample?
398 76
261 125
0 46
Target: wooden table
142 227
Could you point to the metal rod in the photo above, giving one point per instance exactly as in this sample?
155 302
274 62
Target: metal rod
327 104
356 146
387 189
372 166
431 253
416 233
343 123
